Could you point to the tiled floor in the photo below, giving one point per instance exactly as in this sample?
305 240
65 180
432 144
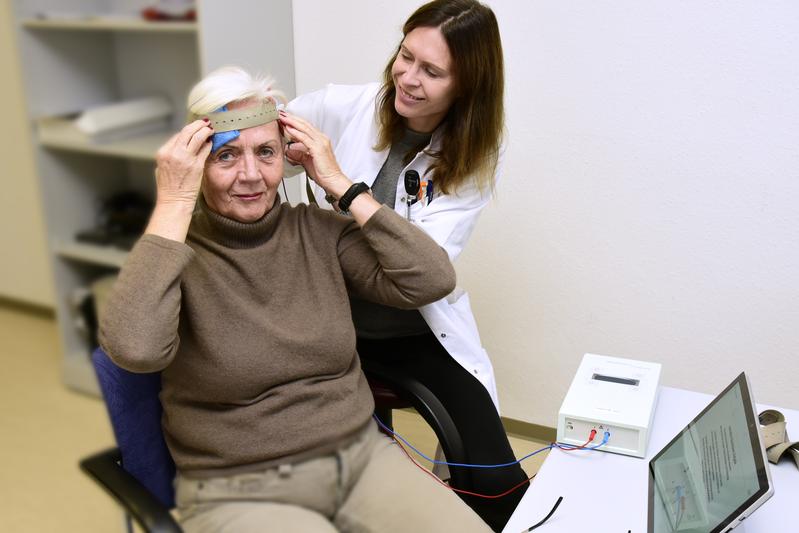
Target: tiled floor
45 429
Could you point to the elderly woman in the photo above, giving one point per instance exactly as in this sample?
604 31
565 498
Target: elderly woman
241 302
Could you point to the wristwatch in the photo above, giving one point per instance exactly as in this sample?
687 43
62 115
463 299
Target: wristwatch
347 198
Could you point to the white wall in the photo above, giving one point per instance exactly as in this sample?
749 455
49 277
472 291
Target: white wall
25 267
348 41
649 203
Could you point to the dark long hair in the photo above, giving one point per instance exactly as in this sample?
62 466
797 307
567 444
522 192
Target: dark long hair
472 128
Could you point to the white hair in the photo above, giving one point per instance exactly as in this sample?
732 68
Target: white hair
230 84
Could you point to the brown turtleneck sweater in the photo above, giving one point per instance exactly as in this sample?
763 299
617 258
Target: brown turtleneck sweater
250 325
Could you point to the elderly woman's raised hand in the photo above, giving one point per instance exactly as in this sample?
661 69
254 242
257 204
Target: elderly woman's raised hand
178 175
180 163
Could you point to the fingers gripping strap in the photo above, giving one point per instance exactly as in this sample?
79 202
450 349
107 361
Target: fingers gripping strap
239 119
775 437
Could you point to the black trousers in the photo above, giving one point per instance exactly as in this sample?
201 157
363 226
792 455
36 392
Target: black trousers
472 411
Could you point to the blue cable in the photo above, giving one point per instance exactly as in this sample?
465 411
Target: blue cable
468 465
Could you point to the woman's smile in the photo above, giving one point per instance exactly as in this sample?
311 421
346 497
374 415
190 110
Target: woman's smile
404 94
248 197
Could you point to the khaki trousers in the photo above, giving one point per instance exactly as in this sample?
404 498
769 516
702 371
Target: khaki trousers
367 486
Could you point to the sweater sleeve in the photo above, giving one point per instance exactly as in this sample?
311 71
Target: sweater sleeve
139 326
389 261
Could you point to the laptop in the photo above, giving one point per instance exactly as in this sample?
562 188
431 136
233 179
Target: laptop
714 473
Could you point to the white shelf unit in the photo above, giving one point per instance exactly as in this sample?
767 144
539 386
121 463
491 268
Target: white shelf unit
86 53
119 23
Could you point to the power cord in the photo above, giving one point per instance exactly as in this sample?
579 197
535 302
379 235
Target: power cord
551 512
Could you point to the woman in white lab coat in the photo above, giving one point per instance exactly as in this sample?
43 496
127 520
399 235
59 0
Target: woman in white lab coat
439 112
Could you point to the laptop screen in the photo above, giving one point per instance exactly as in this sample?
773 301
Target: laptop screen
713 471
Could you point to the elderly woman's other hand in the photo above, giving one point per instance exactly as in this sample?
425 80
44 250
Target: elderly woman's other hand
180 163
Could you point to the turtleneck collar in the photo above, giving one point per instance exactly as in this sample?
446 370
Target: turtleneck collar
232 233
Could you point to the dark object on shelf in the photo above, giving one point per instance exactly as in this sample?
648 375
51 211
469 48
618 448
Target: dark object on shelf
83 313
121 221
170 10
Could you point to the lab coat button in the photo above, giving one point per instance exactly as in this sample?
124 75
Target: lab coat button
475 371
443 335
402 199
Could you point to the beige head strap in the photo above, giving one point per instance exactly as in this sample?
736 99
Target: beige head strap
238 119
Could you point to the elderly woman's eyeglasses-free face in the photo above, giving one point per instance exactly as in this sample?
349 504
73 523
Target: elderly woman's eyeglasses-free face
242 177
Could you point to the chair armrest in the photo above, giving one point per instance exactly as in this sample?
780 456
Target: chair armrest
104 467
430 408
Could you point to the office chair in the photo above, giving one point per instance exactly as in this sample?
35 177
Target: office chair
139 472
394 389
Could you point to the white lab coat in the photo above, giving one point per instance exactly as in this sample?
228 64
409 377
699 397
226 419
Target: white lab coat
346 114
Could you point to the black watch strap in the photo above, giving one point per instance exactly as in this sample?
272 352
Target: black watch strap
347 198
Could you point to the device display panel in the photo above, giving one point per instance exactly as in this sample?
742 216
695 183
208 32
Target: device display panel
712 471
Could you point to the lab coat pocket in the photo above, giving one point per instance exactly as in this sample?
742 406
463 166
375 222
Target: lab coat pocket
458 301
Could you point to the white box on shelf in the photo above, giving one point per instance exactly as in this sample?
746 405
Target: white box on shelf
107 123
120 116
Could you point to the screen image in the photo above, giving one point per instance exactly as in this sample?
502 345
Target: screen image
712 470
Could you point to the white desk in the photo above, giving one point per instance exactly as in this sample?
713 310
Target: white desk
607 493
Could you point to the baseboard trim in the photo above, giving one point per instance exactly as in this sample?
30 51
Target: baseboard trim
529 431
27 307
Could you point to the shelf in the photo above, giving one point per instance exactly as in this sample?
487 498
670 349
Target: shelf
77 55
92 253
109 23
61 134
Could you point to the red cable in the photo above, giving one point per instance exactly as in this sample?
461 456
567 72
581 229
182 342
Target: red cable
461 491
590 439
